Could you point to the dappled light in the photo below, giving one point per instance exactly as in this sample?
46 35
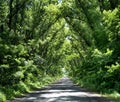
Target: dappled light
61 91
44 40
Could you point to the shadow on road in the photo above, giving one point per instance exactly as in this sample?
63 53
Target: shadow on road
64 90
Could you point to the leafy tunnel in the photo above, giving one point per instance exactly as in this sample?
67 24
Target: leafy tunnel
44 39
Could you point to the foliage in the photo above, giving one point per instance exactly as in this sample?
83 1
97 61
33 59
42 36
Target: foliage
2 97
40 37
93 32
26 29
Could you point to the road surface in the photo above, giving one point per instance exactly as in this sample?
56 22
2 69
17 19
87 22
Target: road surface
63 90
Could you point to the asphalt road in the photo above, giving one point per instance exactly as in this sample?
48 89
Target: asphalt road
63 90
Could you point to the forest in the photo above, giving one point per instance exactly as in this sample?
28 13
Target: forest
38 38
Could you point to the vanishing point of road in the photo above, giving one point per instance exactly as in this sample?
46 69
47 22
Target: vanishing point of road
63 90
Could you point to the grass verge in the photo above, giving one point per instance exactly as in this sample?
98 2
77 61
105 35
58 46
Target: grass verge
115 96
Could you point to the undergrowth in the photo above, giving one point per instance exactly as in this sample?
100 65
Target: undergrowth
10 92
108 93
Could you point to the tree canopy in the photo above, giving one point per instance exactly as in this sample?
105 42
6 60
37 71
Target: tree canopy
40 37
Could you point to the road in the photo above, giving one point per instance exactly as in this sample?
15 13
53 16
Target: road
63 90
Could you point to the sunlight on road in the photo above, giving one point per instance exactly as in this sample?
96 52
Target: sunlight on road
64 90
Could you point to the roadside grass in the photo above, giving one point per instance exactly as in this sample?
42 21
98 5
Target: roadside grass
10 92
115 96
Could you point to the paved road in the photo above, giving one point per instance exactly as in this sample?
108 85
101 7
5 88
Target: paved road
64 90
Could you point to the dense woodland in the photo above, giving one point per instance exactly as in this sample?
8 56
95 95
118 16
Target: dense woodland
40 37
